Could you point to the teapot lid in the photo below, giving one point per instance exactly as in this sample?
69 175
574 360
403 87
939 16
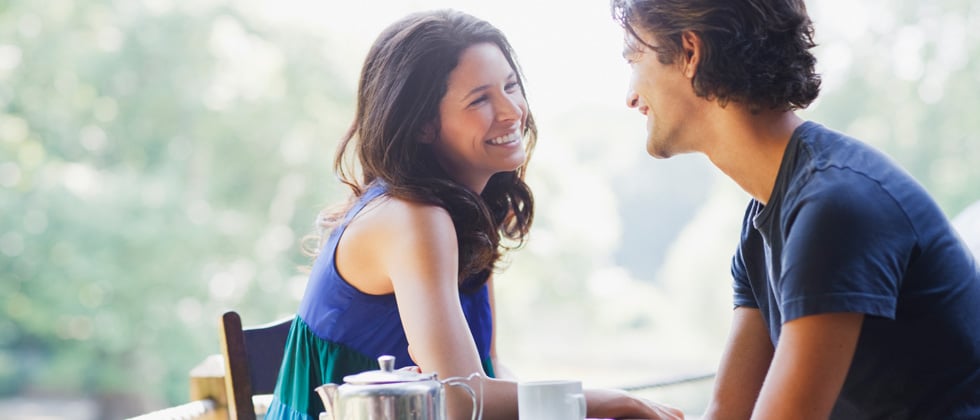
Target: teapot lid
387 374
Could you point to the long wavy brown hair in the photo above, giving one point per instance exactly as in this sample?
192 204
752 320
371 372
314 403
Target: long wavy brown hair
754 52
402 82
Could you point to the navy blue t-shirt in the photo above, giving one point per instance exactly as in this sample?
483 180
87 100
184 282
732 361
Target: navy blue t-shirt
847 230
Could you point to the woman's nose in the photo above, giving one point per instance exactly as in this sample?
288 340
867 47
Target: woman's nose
510 109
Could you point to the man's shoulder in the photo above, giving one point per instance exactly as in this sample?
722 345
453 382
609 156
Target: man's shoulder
827 147
831 160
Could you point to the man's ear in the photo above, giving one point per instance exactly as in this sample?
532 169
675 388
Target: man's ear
690 53
428 134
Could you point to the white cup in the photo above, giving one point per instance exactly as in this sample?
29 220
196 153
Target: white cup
550 400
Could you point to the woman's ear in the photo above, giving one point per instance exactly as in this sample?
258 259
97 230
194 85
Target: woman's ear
428 134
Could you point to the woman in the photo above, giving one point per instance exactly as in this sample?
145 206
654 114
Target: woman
435 158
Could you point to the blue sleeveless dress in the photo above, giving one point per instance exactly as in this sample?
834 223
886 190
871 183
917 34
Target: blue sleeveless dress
339 330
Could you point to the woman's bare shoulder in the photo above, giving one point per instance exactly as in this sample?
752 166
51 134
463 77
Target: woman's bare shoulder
393 234
399 216
392 224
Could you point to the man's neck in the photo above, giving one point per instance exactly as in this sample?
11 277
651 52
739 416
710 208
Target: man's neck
749 147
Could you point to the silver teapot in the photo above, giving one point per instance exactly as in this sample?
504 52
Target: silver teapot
389 394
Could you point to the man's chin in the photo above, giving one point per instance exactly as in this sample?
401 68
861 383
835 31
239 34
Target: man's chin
658 151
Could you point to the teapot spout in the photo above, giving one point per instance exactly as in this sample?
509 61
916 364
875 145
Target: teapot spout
328 393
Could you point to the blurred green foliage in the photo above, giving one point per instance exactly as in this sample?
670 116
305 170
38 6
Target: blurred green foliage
146 184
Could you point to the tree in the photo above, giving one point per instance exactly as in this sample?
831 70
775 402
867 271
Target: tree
158 166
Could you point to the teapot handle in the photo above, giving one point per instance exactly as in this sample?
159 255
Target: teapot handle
328 393
462 382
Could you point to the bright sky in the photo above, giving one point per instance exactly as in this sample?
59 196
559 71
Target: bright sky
570 51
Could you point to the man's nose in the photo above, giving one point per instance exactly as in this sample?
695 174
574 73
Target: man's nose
632 99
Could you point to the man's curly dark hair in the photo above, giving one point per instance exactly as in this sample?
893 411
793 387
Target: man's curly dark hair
753 52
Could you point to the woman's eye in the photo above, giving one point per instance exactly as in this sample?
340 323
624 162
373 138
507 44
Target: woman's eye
510 87
479 100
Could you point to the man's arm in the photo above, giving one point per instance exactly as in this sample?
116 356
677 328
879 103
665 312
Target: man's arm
743 367
808 370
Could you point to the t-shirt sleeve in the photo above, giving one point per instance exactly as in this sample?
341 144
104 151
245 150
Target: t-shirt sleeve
847 243
742 288
740 284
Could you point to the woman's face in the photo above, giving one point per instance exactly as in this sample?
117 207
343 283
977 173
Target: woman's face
481 118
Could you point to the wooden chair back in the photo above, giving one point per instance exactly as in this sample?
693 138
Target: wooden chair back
252 359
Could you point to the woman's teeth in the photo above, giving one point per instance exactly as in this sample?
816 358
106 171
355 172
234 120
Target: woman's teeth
506 138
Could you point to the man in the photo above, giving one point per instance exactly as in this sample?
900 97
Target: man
854 299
